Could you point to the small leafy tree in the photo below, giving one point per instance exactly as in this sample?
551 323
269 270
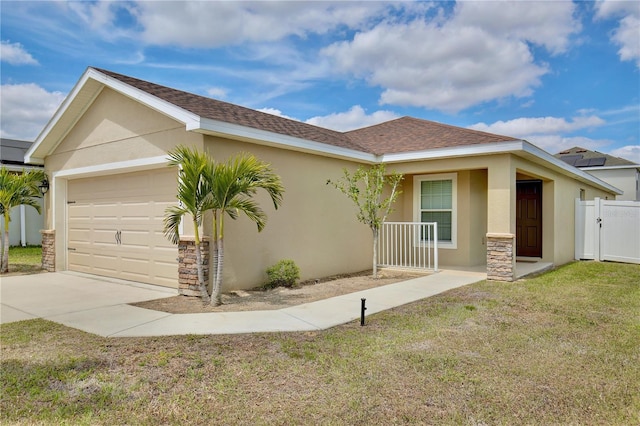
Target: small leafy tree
16 189
365 187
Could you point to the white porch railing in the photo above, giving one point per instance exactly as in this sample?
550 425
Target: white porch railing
408 245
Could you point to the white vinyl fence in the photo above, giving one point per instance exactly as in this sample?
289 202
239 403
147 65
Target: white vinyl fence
608 230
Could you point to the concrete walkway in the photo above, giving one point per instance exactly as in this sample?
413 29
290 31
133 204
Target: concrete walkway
101 305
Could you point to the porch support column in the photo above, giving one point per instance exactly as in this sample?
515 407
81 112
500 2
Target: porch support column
501 220
48 250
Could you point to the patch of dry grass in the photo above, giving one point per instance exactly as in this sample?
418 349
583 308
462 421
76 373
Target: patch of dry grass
561 348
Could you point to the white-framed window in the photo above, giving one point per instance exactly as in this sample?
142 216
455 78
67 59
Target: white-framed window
435 200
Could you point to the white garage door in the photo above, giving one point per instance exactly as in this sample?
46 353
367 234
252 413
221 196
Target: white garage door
115 226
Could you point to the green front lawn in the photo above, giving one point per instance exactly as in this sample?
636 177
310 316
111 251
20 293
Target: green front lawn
561 348
25 260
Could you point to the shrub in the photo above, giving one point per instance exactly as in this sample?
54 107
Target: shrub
284 273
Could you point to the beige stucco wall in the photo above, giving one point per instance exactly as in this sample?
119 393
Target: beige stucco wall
315 226
115 129
623 179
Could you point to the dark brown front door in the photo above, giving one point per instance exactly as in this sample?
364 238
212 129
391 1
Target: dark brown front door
529 219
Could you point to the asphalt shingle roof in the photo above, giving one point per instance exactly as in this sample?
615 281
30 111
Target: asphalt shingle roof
579 153
406 134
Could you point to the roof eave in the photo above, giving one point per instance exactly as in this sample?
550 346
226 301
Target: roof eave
627 166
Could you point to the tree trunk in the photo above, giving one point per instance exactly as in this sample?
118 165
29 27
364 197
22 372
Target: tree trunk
216 297
5 247
199 267
204 294
375 253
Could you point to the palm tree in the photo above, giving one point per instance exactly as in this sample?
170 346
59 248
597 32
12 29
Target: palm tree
233 185
193 195
16 189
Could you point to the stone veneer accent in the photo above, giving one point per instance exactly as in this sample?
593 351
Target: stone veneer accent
48 250
187 268
501 260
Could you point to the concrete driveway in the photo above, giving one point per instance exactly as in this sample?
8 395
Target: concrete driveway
101 305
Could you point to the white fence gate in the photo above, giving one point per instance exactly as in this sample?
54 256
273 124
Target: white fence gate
608 230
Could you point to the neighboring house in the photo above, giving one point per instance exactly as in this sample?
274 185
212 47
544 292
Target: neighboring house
26 222
621 173
105 152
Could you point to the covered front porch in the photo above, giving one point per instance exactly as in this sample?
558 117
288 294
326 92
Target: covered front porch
414 246
494 213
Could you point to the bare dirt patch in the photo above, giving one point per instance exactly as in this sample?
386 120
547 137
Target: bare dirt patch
281 297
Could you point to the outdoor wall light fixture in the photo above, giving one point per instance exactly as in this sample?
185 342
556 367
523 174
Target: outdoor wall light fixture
44 186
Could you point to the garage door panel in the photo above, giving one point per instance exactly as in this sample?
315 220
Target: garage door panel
116 226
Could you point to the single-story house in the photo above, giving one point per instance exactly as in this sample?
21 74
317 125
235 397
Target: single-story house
621 173
26 222
105 152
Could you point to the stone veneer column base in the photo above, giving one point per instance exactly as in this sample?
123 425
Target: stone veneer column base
501 260
187 268
48 250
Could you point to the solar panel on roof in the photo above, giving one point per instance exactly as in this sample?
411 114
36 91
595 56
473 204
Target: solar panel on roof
571 159
598 161
584 162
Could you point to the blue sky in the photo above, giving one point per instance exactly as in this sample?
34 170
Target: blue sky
556 73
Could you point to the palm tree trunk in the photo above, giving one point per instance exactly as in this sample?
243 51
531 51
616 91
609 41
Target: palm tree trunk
216 297
5 246
204 294
199 267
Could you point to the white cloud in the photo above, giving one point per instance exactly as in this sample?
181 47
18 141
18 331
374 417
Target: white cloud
548 133
549 24
355 118
214 24
626 36
25 109
217 92
556 143
15 54
479 54
525 126
274 111
629 152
